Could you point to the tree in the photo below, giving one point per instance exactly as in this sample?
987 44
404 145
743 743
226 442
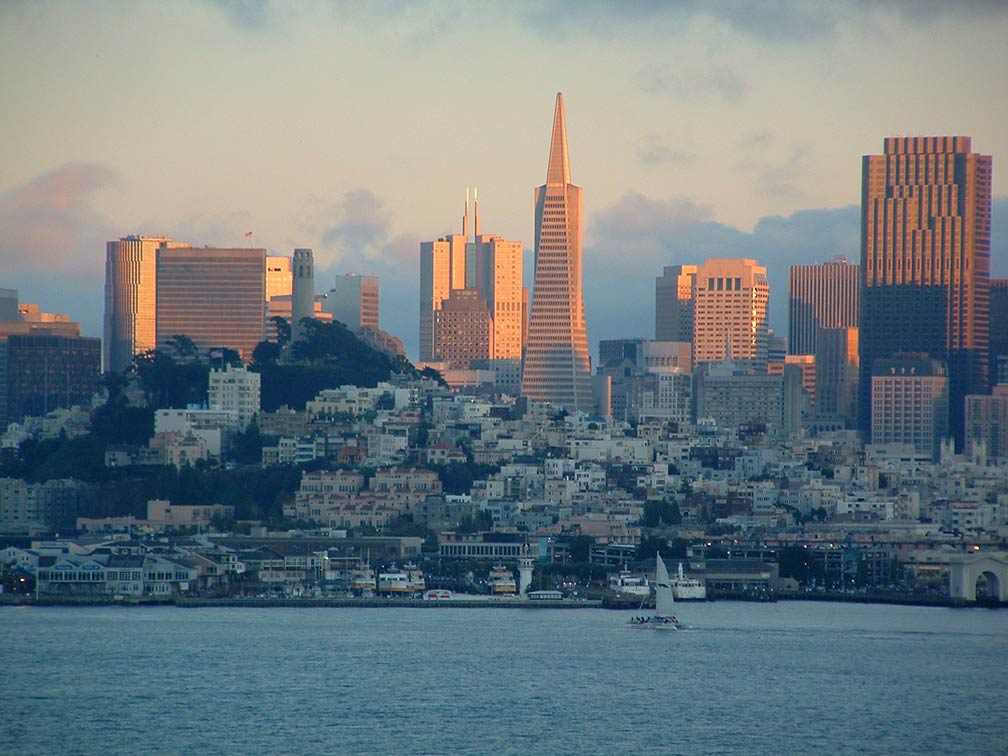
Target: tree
266 352
661 512
580 548
182 347
283 330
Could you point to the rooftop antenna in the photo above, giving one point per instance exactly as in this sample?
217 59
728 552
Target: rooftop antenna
465 217
476 211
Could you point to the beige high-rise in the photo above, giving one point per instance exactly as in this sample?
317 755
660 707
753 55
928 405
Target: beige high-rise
731 312
494 267
674 303
130 326
557 367
442 270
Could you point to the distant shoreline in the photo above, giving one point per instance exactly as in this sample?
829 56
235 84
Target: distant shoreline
196 602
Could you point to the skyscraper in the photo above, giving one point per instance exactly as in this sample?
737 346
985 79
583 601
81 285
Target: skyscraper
494 268
130 299
674 290
442 270
557 367
216 297
731 313
353 301
997 363
821 296
925 263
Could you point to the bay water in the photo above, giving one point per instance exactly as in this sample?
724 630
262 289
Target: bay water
742 678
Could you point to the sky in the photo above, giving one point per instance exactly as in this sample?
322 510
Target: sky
697 129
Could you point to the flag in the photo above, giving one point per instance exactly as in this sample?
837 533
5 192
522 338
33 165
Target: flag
248 234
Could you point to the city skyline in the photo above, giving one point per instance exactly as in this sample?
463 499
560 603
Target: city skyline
673 147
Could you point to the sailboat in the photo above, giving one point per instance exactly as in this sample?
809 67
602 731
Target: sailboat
663 618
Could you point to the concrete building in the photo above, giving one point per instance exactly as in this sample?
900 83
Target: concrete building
464 330
41 372
235 389
987 424
674 292
494 268
925 263
733 398
910 395
836 374
998 354
279 277
821 296
216 297
730 320
131 298
353 301
557 367
442 270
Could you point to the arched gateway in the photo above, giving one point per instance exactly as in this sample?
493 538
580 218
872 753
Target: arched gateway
989 569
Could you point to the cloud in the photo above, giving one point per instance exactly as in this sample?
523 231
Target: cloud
781 176
719 82
246 14
48 224
635 238
651 149
51 238
777 21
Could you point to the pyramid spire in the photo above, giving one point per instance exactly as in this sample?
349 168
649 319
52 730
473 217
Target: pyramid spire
558 171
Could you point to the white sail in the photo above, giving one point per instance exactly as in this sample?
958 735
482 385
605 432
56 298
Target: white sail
664 601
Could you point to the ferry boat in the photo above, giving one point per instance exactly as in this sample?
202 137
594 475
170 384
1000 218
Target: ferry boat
688 589
629 584
362 582
407 581
501 581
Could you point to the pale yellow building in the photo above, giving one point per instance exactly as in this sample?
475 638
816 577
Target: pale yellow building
730 318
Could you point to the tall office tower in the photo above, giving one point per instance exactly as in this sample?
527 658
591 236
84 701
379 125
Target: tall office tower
216 297
557 367
731 313
302 290
130 299
442 270
674 303
464 329
909 395
8 305
925 262
822 296
997 364
836 374
353 301
40 372
987 425
494 267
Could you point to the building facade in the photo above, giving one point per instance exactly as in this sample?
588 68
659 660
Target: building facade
987 424
925 263
997 363
910 396
730 319
39 373
442 270
353 301
464 330
235 389
557 367
674 290
216 297
821 296
494 268
130 325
